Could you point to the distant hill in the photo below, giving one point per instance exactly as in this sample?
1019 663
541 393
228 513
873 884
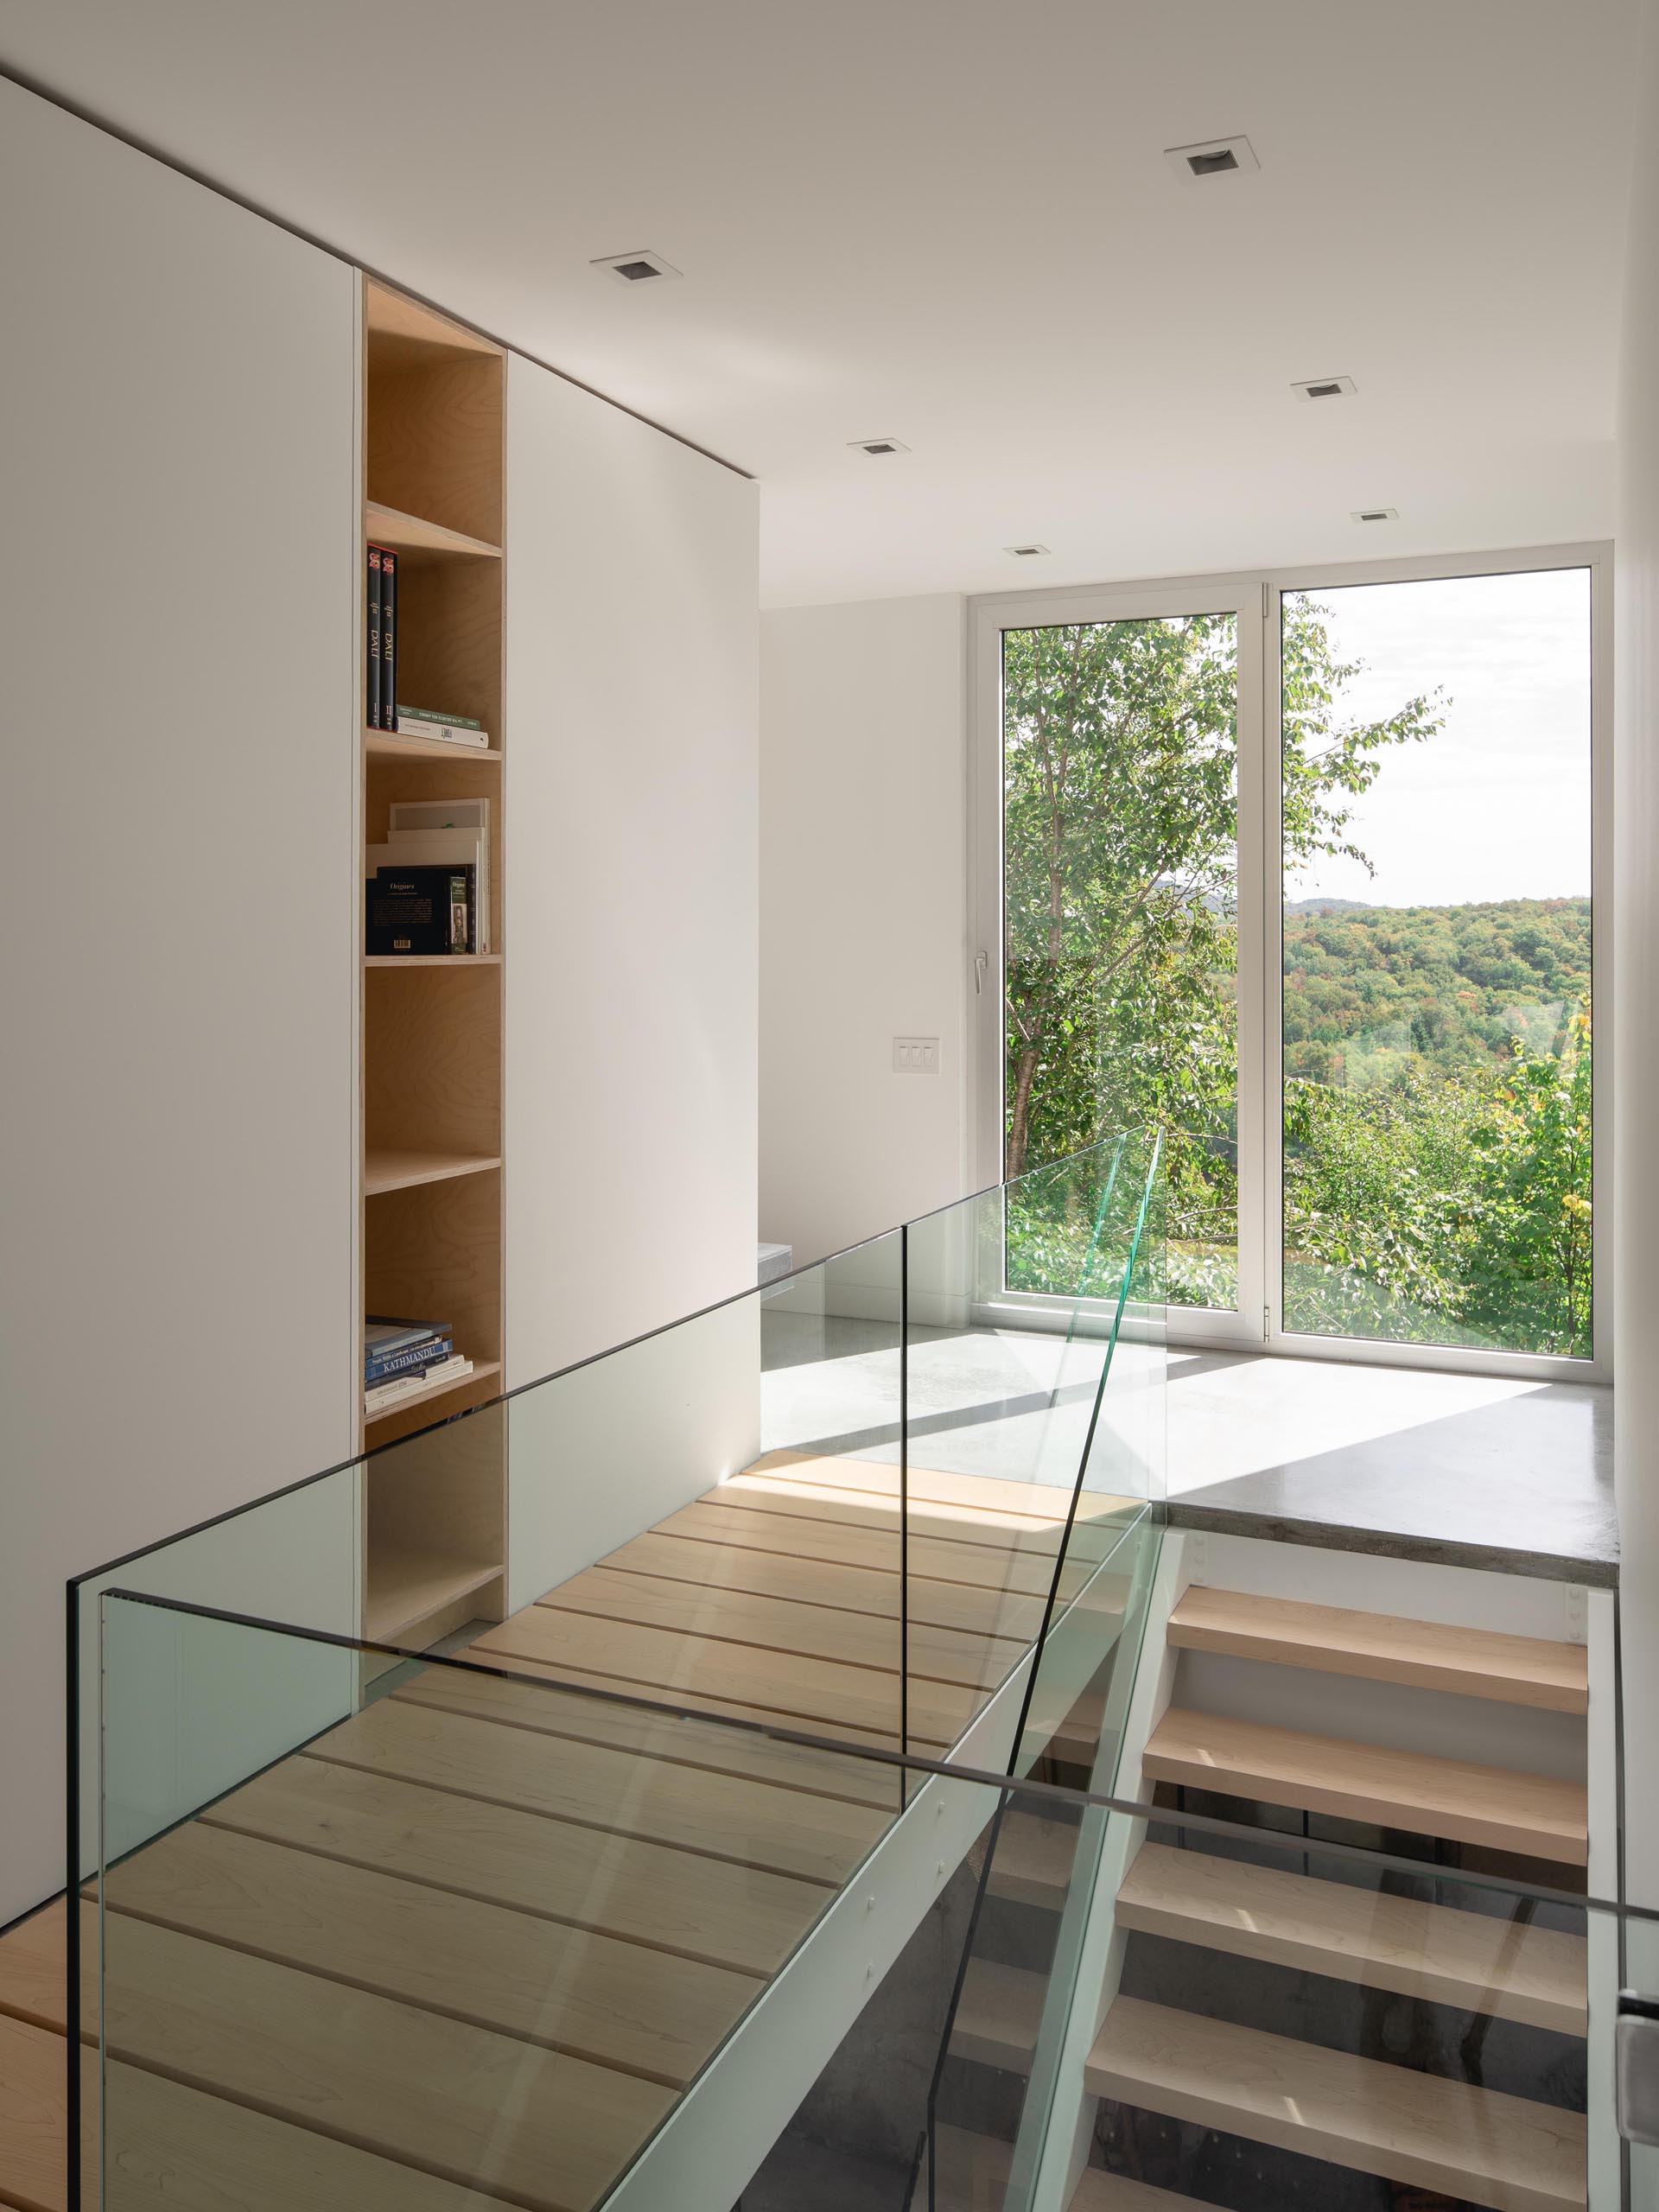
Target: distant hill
1367 990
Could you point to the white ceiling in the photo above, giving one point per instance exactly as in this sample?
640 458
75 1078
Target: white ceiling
950 223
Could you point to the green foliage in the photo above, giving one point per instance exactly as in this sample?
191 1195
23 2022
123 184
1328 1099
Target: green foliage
1437 1102
1369 989
1445 1208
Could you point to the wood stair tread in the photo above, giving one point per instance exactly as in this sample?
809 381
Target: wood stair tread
1361 2113
1536 1814
998 2014
1097 2191
1033 1859
1382 1647
1474 1960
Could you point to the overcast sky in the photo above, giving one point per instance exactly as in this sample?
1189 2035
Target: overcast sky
1497 804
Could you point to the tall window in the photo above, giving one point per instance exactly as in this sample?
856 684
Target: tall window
1300 871
1121 911
1437 1058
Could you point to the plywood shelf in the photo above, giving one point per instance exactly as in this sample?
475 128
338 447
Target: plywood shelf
389 1169
387 744
431 1223
414 535
407 1588
481 1369
433 960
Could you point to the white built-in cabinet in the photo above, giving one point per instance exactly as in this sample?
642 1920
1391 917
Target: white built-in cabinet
178 666
632 888
182 1188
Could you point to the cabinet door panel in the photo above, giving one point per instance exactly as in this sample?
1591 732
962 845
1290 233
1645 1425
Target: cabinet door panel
179 603
631 929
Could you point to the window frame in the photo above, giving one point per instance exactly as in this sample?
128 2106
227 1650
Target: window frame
1255 596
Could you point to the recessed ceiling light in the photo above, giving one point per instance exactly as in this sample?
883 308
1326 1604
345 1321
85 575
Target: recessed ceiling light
1375 514
877 446
1324 388
640 268
1215 158
1025 552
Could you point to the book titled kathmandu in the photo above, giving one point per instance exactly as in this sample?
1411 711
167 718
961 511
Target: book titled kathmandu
401 1359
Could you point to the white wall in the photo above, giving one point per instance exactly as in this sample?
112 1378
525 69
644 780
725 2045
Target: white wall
631 917
1635 1458
179 592
863 916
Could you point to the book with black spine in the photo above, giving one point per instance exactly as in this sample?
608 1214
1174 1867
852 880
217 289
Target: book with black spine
420 910
373 707
388 638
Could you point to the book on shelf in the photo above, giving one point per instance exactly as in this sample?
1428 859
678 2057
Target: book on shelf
451 833
387 1332
418 908
412 1360
372 655
384 1395
446 729
388 637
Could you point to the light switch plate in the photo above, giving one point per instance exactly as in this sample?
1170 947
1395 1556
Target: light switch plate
916 1056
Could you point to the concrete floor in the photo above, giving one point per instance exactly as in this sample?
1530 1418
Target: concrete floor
1487 1471
1471 1469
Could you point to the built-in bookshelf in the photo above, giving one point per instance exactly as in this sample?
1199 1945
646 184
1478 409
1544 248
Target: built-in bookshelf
433 1154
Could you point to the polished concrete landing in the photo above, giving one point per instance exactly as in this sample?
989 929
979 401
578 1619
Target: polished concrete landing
1473 1470
1470 1469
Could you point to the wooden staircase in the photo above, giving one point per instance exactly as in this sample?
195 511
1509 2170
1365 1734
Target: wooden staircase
1416 2129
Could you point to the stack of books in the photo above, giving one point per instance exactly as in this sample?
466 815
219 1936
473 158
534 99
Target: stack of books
429 841
401 1358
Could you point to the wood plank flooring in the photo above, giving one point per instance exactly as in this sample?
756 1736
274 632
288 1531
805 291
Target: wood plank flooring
467 1948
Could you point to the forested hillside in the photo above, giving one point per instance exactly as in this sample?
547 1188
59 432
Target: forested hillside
1367 986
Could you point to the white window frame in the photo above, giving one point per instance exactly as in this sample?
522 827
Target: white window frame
1255 596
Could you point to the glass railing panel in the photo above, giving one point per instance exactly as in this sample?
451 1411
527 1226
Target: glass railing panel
447 1928
1002 1390
1265 2020
713 1514
443 1937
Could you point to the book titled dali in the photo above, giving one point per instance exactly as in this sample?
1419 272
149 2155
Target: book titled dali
376 692
382 655
388 638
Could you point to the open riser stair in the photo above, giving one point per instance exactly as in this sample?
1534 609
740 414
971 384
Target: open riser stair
1289 2032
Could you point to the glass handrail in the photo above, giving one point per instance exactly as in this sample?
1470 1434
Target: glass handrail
378 1926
